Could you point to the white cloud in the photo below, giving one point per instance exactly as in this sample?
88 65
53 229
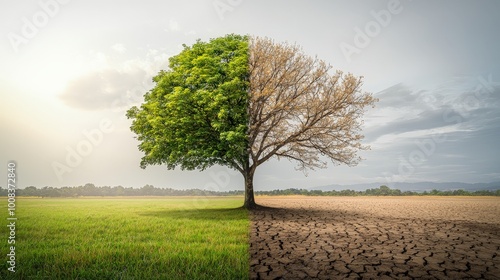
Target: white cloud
173 25
119 48
388 140
104 90
114 84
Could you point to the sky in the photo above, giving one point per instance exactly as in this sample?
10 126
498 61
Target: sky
70 69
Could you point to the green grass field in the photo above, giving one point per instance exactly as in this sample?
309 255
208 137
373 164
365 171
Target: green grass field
128 238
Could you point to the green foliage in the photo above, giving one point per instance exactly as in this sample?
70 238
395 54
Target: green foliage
168 238
383 191
196 115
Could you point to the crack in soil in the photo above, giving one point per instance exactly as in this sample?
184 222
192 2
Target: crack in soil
337 238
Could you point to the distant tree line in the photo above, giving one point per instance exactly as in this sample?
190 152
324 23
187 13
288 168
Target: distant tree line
149 190
381 191
92 190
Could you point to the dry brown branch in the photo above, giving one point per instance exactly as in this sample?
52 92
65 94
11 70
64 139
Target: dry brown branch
301 111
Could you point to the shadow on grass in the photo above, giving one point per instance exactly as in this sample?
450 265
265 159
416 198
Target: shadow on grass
200 214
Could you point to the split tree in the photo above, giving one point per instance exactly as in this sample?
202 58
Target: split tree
238 101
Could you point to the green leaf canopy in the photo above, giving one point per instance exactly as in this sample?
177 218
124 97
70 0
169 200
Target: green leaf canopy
196 115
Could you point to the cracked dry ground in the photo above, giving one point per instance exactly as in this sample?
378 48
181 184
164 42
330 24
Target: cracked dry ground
376 238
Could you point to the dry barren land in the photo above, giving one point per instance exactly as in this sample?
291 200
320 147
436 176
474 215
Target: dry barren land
376 238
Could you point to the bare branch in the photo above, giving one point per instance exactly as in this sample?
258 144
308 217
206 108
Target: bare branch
300 111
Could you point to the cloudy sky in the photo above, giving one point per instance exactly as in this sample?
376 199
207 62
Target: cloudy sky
69 70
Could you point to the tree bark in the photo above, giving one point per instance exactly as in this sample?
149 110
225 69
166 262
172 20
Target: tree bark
249 196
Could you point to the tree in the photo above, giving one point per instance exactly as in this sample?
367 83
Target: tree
384 190
147 190
89 189
30 191
300 111
238 101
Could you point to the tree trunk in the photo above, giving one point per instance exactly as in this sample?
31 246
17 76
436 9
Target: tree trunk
249 197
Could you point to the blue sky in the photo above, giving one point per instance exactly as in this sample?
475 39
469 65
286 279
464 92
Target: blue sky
70 69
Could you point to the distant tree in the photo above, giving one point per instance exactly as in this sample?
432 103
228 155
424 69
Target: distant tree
384 190
49 192
347 192
147 190
89 190
130 191
396 192
317 192
30 191
69 192
460 192
105 191
239 101
118 190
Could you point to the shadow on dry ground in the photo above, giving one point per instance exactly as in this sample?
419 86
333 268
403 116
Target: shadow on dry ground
325 240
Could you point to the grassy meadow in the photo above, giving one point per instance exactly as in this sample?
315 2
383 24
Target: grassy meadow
128 238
